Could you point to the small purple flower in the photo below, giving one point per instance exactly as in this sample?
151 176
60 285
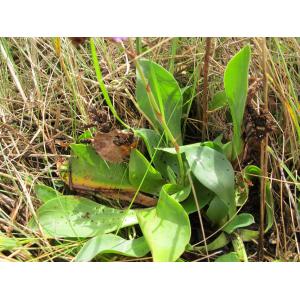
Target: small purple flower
119 39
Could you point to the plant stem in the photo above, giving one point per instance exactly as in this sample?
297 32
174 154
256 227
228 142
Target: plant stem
139 48
263 157
204 101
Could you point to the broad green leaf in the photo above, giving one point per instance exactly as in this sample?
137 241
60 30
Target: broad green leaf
110 243
215 172
151 139
185 148
72 216
45 193
89 171
171 175
217 211
241 220
213 145
219 101
167 94
166 228
236 88
229 257
178 192
142 173
182 149
227 150
203 195
254 170
221 241
241 193
162 161
251 170
218 140
168 158
248 235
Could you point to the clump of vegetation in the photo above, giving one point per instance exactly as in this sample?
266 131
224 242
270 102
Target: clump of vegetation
176 149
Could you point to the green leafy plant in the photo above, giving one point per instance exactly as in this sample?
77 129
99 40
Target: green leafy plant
236 89
166 229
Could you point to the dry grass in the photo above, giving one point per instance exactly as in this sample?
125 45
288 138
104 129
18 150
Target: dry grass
45 94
